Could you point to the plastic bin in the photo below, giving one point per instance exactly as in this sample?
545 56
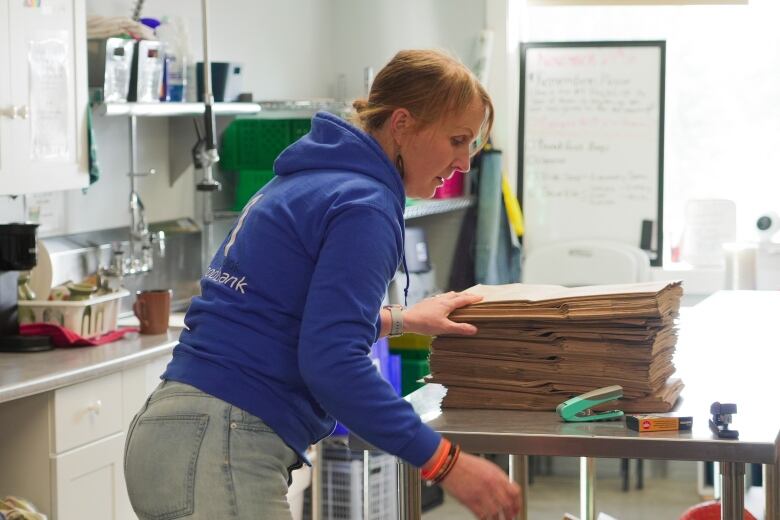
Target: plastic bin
412 371
709 511
248 182
88 318
414 366
342 484
254 143
411 341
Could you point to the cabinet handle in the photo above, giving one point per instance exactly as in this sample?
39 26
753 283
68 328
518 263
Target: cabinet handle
95 407
15 111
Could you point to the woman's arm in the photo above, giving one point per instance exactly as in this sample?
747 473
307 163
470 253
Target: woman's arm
430 316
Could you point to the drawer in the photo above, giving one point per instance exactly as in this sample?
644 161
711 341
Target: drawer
86 412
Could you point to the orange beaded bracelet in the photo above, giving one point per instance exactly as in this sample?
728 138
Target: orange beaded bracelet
434 471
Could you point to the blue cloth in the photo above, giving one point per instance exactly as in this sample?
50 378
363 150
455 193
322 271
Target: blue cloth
290 302
497 253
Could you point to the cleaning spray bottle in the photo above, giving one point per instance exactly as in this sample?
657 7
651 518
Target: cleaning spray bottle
173 33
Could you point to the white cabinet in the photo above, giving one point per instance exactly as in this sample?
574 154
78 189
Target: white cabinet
64 450
43 96
90 482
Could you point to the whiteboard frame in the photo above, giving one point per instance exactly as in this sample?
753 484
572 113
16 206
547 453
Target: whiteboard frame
661 45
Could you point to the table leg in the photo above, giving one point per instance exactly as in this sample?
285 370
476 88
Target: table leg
640 473
366 489
732 494
587 485
316 482
772 490
518 472
409 490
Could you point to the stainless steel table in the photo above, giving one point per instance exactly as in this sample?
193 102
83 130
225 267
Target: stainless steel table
728 351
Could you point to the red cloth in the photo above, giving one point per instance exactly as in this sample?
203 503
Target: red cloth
62 337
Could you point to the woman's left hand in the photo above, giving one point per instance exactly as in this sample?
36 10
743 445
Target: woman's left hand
430 316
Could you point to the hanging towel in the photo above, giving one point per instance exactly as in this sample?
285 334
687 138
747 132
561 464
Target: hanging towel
497 250
94 167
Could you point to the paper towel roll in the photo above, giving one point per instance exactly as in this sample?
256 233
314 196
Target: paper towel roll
740 260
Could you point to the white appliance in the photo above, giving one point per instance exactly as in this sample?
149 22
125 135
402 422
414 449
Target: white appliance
586 262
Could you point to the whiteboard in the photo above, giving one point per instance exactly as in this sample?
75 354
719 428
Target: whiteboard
591 143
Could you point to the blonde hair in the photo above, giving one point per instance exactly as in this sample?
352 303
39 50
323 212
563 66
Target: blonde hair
429 84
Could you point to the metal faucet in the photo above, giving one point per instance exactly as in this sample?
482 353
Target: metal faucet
139 258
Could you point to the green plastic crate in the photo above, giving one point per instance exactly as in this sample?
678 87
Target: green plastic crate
414 366
412 370
248 182
254 144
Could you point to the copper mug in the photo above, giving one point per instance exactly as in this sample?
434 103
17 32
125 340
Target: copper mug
153 308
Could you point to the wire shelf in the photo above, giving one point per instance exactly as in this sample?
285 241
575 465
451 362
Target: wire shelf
423 208
173 109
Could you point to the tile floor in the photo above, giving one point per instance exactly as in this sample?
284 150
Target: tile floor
663 497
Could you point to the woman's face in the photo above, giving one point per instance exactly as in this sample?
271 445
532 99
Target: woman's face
434 153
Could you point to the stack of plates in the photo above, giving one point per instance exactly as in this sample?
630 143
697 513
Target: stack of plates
539 345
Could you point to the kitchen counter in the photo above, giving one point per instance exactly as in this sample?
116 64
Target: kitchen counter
26 374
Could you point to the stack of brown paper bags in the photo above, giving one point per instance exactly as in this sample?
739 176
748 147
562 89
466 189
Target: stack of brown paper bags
539 345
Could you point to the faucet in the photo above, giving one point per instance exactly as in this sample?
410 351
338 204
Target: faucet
139 258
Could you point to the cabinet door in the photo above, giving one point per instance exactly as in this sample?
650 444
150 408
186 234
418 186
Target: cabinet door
48 86
5 92
90 482
137 383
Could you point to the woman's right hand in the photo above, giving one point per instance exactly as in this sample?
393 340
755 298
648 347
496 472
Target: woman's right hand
483 488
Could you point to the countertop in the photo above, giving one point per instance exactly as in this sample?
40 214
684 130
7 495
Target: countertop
26 374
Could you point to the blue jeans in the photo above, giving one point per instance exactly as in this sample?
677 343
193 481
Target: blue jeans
191 455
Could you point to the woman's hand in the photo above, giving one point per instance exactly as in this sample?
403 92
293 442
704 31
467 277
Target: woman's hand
483 488
430 316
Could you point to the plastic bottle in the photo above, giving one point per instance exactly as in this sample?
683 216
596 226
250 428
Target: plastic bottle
173 34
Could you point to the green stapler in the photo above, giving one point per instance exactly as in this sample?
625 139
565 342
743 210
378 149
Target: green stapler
578 409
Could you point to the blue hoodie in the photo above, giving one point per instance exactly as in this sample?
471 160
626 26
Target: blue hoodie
290 302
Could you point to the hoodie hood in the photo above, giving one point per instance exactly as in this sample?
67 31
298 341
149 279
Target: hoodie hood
335 145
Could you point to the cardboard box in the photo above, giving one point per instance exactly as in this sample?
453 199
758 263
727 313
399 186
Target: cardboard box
658 423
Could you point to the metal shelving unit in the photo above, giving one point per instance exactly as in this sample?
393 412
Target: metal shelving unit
173 109
423 208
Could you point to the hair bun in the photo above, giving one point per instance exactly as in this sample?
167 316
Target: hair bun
360 105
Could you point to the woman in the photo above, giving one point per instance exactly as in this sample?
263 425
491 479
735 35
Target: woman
277 345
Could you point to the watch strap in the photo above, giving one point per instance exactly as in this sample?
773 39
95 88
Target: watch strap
396 320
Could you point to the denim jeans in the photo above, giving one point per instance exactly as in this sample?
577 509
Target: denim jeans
191 455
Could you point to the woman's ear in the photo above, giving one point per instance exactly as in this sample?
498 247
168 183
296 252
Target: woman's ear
401 123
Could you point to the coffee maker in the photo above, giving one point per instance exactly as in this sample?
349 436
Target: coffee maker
17 253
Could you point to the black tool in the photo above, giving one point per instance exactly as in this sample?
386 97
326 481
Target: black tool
721 418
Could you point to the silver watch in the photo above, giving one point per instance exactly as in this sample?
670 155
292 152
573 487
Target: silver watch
396 320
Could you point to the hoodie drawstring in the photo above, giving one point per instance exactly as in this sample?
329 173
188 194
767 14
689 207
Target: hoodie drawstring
406 289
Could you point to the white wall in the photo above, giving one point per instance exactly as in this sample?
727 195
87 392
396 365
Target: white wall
370 32
291 49
722 128
279 43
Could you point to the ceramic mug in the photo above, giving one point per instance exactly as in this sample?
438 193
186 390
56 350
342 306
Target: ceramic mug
152 308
